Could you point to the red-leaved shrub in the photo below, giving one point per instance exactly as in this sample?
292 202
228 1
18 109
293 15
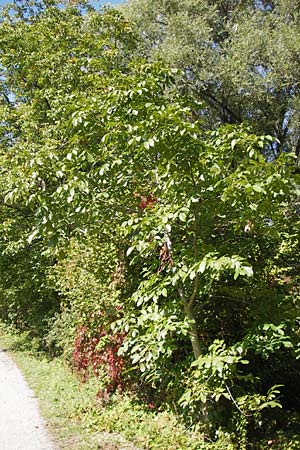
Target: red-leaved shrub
89 357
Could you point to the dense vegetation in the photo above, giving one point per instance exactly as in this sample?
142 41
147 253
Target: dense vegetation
150 204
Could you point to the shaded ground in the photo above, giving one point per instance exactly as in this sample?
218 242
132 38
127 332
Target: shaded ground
21 425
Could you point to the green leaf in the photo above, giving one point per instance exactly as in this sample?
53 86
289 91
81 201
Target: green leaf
164 292
236 273
202 266
258 188
129 251
248 271
32 236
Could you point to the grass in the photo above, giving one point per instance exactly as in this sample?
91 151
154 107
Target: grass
59 393
79 421
77 418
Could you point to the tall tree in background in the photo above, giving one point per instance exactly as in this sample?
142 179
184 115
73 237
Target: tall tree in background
240 57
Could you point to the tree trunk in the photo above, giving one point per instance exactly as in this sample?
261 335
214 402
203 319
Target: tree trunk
194 333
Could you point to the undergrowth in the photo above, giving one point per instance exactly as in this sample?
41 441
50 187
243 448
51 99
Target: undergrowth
82 421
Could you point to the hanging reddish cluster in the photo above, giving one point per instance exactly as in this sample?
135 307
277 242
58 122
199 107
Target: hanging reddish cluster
147 201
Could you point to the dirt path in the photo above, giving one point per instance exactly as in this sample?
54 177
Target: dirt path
21 426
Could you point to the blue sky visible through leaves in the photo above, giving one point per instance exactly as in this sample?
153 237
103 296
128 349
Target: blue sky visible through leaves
95 3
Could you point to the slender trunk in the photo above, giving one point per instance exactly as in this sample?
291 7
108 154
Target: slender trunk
194 333
189 302
188 309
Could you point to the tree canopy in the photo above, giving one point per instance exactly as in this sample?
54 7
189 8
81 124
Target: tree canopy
239 57
147 230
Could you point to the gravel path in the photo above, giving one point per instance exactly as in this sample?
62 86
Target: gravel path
21 426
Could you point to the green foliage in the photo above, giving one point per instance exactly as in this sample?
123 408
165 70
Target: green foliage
141 227
80 422
214 377
239 57
268 339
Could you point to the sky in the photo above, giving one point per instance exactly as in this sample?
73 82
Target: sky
94 2
112 2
